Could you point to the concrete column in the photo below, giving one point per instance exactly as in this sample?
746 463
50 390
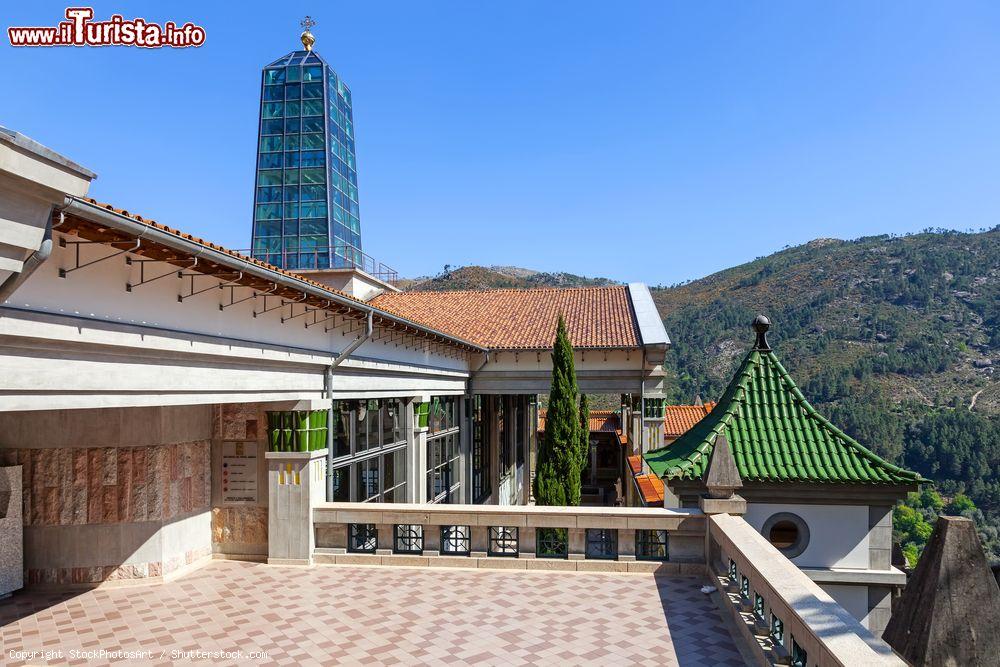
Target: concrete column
626 544
296 483
880 538
464 451
420 466
432 540
577 543
495 445
385 539
879 609
412 460
526 542
479 541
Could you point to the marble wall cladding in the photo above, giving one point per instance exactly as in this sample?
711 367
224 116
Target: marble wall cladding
71 486
239 525
11 531
242 529
240 421
100 573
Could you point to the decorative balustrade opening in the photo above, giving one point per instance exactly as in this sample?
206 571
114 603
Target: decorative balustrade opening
362 538
582 538
602 543
552 543
779 609
503 541
456 540
651 545
408 538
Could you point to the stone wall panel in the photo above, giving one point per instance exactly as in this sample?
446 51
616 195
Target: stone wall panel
112 484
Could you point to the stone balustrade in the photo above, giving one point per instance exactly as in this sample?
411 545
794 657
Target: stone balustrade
523 537
787 617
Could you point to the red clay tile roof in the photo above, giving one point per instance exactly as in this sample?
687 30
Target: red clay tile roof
523 319
678 419
650 488
297 276
600 420
635 463
190 237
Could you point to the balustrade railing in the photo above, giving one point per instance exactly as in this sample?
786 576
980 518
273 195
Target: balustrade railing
340 256
783 613
598 538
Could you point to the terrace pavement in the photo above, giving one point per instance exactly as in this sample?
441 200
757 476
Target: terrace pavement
375 615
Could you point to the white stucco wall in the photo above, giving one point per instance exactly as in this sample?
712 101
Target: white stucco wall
852 598
838 534
85 342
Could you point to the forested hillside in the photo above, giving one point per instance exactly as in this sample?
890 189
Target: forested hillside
495 277
895 339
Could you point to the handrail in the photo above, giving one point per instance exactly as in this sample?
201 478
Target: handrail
680 520
341 255
615 539
809 620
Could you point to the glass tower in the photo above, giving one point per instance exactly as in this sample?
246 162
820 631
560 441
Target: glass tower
306 196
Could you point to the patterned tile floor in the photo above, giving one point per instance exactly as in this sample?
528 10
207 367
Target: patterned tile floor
372 616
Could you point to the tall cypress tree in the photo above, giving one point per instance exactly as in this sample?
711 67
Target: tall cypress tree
557 480
584 449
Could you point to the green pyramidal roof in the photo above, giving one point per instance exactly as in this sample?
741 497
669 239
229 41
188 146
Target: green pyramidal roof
775 435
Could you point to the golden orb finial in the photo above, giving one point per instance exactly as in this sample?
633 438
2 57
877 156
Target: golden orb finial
307 37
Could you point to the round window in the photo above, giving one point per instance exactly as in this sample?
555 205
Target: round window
784 534
787 532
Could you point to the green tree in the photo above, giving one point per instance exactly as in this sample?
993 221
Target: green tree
557 480
584 450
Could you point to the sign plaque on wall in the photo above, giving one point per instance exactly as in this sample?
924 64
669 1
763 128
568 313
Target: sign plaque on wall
239 473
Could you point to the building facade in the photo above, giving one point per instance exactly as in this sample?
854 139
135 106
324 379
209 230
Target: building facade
154 386
306 213
821 498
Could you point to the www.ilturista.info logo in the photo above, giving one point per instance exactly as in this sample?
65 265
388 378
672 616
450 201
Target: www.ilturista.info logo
80 30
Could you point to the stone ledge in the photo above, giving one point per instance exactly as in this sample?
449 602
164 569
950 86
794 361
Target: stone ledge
847 576
683 569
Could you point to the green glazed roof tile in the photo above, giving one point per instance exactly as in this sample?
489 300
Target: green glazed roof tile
775 435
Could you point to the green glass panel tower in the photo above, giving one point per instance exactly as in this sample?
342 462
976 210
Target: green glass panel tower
306 212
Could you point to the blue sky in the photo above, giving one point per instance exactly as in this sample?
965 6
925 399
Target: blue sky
648 141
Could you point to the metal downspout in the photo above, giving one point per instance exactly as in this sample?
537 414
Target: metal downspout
34 260
328 382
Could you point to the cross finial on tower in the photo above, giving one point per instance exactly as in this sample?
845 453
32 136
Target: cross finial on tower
307 37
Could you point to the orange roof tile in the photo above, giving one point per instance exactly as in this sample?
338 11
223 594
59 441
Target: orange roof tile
650 488
190 237
678 419
270 267
523 319
600 421
635 464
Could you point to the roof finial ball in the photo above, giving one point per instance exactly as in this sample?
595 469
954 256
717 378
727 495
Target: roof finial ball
760 325
307 37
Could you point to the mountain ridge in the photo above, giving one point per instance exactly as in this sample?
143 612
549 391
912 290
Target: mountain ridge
896 339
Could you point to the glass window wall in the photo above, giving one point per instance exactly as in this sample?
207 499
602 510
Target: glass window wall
311 148
369 449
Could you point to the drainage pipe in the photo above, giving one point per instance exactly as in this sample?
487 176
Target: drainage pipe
328 382
34 260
